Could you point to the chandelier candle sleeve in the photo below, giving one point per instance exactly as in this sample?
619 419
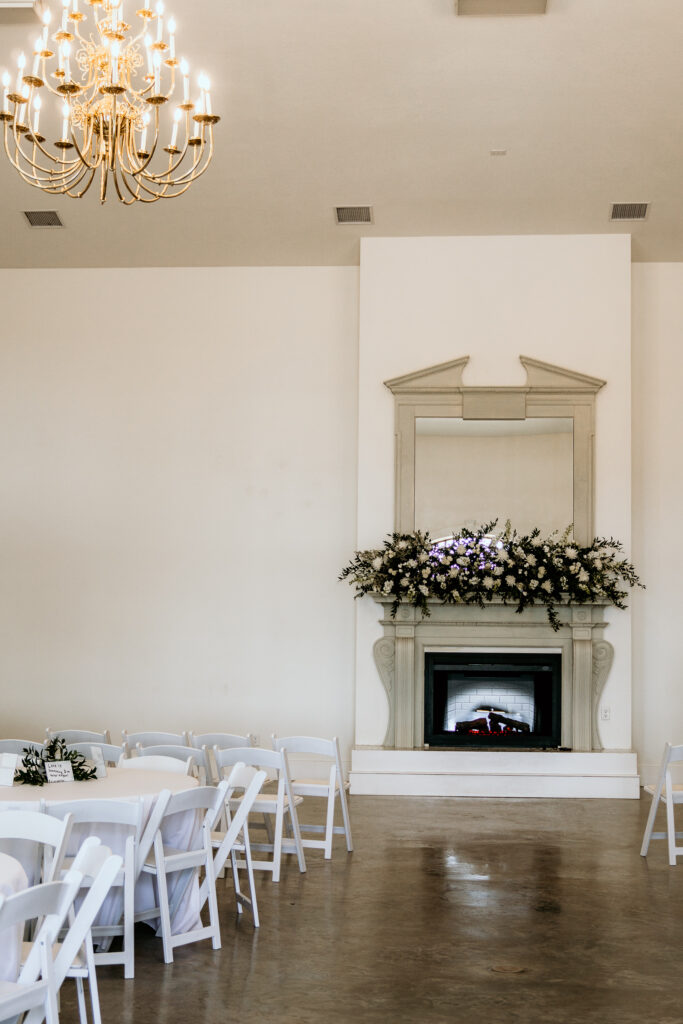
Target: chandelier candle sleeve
5 93
21 64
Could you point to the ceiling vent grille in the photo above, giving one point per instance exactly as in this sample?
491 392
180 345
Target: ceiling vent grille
629 211
43 218
354 215
501 8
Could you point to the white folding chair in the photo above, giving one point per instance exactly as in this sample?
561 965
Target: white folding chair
158 763
111 753
36 987
44 842
239 778
201 769
280 804
331 789
125 816
222 740
229 843
167 861
668 793
78 735
153 739
81 925
18 746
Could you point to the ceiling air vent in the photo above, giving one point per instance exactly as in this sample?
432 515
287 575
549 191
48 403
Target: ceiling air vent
354 215
629 211
504 8
43 218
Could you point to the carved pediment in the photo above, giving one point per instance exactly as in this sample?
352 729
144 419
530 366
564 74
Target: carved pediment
448 377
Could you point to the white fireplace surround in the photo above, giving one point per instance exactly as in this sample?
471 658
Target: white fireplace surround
403 765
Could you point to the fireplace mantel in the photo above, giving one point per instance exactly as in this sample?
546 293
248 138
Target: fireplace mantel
399 657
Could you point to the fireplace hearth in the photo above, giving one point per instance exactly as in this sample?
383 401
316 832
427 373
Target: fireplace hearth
508 700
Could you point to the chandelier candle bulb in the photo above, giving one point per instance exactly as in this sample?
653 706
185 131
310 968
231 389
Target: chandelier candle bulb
160 21
67 62
185 69
5 92
65 12
36 58
115 53
21 64
174 135
66 110
171 40
47 18
74 9
157 74
36 119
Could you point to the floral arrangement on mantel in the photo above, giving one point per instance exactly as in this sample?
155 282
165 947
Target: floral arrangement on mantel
476 566
34 758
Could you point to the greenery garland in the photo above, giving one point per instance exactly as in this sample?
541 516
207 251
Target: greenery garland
474 566
34 773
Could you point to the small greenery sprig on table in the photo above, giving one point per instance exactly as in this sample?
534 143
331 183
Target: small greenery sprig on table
474 566
34 773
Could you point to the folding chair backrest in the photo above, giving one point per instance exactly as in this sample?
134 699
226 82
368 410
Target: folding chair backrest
209 799
86 914
158 763
675 753
222 740
79 735
110 752
17 746
50 902
275 761
126 813
49 835
153 739
174 750
306 745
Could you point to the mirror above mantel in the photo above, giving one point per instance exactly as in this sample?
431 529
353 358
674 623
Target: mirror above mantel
466 455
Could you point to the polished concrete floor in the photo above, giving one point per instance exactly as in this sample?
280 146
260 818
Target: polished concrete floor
449 910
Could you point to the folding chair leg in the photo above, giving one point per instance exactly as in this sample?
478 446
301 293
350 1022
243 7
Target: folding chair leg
277 844
329 825
129 926
250 877
670 828
92 982
82 1012
347 820
651 819
164 914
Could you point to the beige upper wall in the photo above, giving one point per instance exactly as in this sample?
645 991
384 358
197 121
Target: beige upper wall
177 497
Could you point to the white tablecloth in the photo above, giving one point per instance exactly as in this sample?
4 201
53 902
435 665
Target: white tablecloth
12 879
120 784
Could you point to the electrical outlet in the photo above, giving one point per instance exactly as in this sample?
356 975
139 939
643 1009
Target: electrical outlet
604 713
256 740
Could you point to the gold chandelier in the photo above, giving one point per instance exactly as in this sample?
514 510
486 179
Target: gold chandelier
110 86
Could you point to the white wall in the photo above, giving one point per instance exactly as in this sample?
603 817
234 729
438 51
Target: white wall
562 299
177 497
657 509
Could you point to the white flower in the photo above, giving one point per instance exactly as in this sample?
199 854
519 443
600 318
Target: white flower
488 582
447 560
598 563
402 544
510 580
405 581
453 571
541 572
583 576
537 542
423 590
533 584
547 586
377 563
388 586
574 567
531 559
570 552
423 556
461 549
498 571
463 561
411 563
425 573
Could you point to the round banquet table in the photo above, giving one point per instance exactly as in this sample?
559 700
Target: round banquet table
179 830
12 879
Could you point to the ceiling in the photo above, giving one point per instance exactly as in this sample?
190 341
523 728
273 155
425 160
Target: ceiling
398 104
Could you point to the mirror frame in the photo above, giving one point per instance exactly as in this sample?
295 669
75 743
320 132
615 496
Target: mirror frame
550 391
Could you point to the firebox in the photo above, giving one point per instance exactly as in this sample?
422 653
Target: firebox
501 700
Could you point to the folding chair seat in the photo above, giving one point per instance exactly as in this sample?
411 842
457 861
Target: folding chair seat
281 804
78 735
235 838
222 740
201 768
122 821
43 840
157 763
105 867
331 789
111 753
670 794
164 861
36 988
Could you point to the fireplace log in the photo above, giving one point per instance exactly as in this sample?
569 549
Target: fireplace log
512 723
476 725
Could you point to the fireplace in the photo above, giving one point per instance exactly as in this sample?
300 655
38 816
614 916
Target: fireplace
507 700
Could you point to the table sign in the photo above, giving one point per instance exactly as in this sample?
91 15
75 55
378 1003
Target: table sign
97 758
8 765
59 771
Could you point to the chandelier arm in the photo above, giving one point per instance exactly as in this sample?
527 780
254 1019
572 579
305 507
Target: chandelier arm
196 171
53 174
79 195
153 150
136 193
